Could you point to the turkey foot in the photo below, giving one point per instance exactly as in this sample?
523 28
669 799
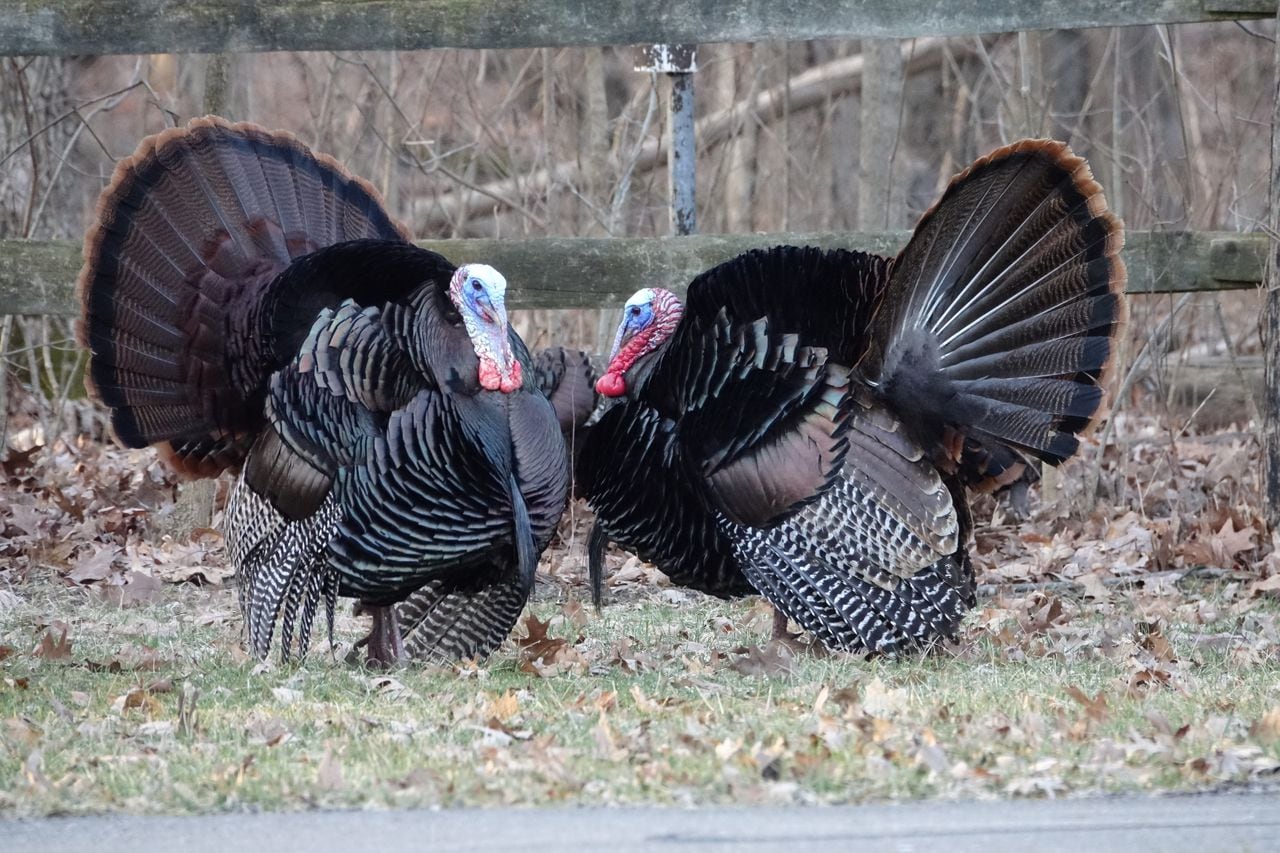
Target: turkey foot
384 646
780 632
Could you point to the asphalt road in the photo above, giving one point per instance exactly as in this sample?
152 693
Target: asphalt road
1219 822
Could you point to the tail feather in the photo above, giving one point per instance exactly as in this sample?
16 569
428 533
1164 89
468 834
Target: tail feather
1050 271
447 621
852 613
1075 315
876 563
1049 396
1002 314
190 234
567 379
1038 360
283 573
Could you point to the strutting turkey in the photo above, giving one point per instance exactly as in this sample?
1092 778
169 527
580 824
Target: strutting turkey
809 420
250 306
567 379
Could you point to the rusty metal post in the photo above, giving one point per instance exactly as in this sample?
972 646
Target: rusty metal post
678 62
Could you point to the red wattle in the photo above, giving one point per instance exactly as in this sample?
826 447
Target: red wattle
611 385
494 378
489 377
512 381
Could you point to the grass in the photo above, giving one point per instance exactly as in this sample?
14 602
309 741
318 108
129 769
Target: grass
667 698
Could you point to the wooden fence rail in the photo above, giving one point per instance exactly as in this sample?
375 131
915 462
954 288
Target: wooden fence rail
37 277
72 27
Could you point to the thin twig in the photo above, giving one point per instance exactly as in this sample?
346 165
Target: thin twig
74 111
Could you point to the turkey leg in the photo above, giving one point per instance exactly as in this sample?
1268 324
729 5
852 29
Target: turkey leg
780 632
384 645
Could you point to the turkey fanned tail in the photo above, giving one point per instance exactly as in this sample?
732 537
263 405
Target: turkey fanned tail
999 327
182 262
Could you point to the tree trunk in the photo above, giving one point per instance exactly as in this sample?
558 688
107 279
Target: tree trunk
593 145
1271 324
845 141
740 148
880 202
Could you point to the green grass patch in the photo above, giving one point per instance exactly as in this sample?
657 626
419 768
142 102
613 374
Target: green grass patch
668 697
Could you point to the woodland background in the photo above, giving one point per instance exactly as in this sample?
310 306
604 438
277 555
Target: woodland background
1128 634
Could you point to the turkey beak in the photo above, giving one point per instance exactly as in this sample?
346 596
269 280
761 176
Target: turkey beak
623 337
489 314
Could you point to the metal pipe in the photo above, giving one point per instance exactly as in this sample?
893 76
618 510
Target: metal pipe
678 62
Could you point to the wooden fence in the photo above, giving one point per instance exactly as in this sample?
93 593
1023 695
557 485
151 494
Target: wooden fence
37 277
79 27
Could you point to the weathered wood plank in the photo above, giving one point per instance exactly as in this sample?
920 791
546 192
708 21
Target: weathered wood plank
68 27
38 277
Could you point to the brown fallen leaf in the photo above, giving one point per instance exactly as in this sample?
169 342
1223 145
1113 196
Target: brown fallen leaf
574 613
129 659
1151 638
773 658
267 731
5 651
137 589
1046 611
96 567
881 700
629 658
1268 585
137 697
504 707
1145 680
1266 729
606 741
22 732
195 575
1094 588
536 644
51 649
17 461
1229 541
1095 708
1219 547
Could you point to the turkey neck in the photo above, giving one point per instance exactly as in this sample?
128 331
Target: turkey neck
641 371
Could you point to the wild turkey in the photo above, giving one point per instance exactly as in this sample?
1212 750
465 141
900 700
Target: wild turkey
567 380
250 307
810 419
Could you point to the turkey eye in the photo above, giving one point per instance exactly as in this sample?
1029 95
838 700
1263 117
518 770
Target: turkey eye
476 285
635 310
